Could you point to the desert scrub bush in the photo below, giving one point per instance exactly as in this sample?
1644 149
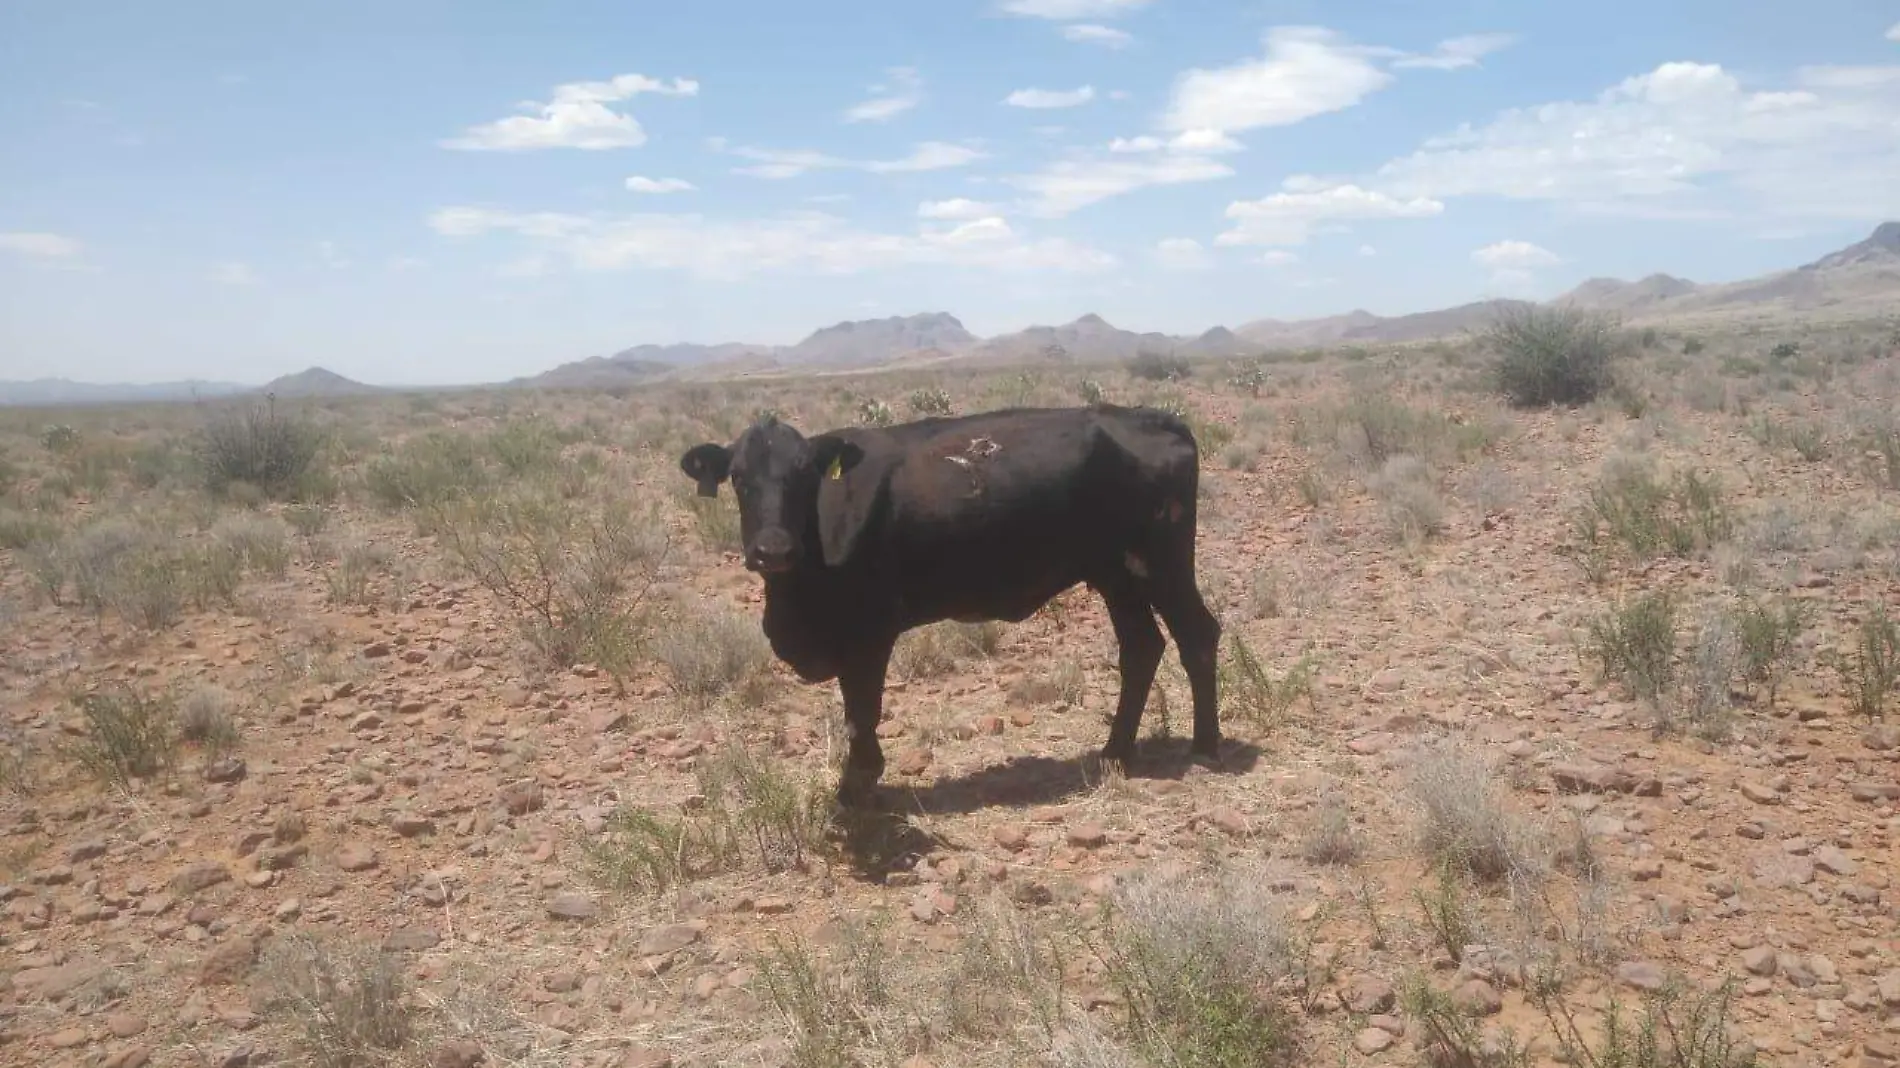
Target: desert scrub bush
715 519
1770 635
426 472
1196 959
207 719
25 530
1158 367
349 1002
261 543
1871 669
1411 504
937 649
1671 1029
1449 1034
1544 356
710 649
1631 508
1463 821
1634 642
1253 691
574 579
1372 425
1331 839
749 811
356 565
525 447
1008 973
1061 684
926 402
874 412
1713 662
275 454
130 734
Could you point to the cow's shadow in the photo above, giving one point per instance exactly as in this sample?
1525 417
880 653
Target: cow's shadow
882 839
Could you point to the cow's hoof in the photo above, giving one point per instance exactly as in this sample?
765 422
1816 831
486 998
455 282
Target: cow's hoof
1208 756
1121 759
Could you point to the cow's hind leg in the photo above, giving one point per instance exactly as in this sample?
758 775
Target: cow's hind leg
1141 647
861 684
1197 639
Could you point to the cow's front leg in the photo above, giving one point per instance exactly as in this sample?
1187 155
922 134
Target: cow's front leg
861 684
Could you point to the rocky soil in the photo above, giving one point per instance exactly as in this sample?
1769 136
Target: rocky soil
409 787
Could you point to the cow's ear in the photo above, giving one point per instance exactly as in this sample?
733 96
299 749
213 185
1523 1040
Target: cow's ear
845 506
834 455
707 465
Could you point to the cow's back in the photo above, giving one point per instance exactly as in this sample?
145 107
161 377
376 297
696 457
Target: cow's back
1014 506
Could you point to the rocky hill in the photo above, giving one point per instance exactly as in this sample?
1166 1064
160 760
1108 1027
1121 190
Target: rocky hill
317 382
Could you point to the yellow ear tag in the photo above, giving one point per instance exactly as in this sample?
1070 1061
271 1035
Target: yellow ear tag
836 470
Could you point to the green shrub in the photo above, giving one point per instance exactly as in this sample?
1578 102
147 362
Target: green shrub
260 448
1552 356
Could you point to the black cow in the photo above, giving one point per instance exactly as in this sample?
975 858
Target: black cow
863 533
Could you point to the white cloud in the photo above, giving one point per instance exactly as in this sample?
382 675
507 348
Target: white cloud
639 184
1278 257
1520 255
331 256
790 163
1069 10
1289 217
905 91
1457 53
576 117
41 245
1683 140
1368 251
1893 32
1307 71
929 156
1182 254
1090 33
234 274
1068 185
1050 98
733 249
955 208
1186 143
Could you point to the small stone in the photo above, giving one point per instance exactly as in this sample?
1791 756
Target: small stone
1373 1040
457 1053
1367 994
228 962
1758 793
124 1024
1229 820
668 938
411 940
70 1038
521 798
1759 960
1831 859
1011 836
410 826
356 857
572 906
1640 974
199 876
646 1057
91 849
1475 997
562 982
913 762
129 1057
1088 835
225 770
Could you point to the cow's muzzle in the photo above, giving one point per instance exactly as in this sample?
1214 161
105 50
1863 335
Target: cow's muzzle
771 553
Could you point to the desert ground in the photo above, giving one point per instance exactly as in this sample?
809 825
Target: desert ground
438 729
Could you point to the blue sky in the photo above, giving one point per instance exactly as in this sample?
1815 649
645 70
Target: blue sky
428 192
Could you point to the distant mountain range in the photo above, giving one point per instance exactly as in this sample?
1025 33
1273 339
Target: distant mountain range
1861 279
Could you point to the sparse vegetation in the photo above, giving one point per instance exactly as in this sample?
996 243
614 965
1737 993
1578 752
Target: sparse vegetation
1547 356
268 452
349 1003
130 734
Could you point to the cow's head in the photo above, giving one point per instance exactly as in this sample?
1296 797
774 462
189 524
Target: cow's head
776 473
